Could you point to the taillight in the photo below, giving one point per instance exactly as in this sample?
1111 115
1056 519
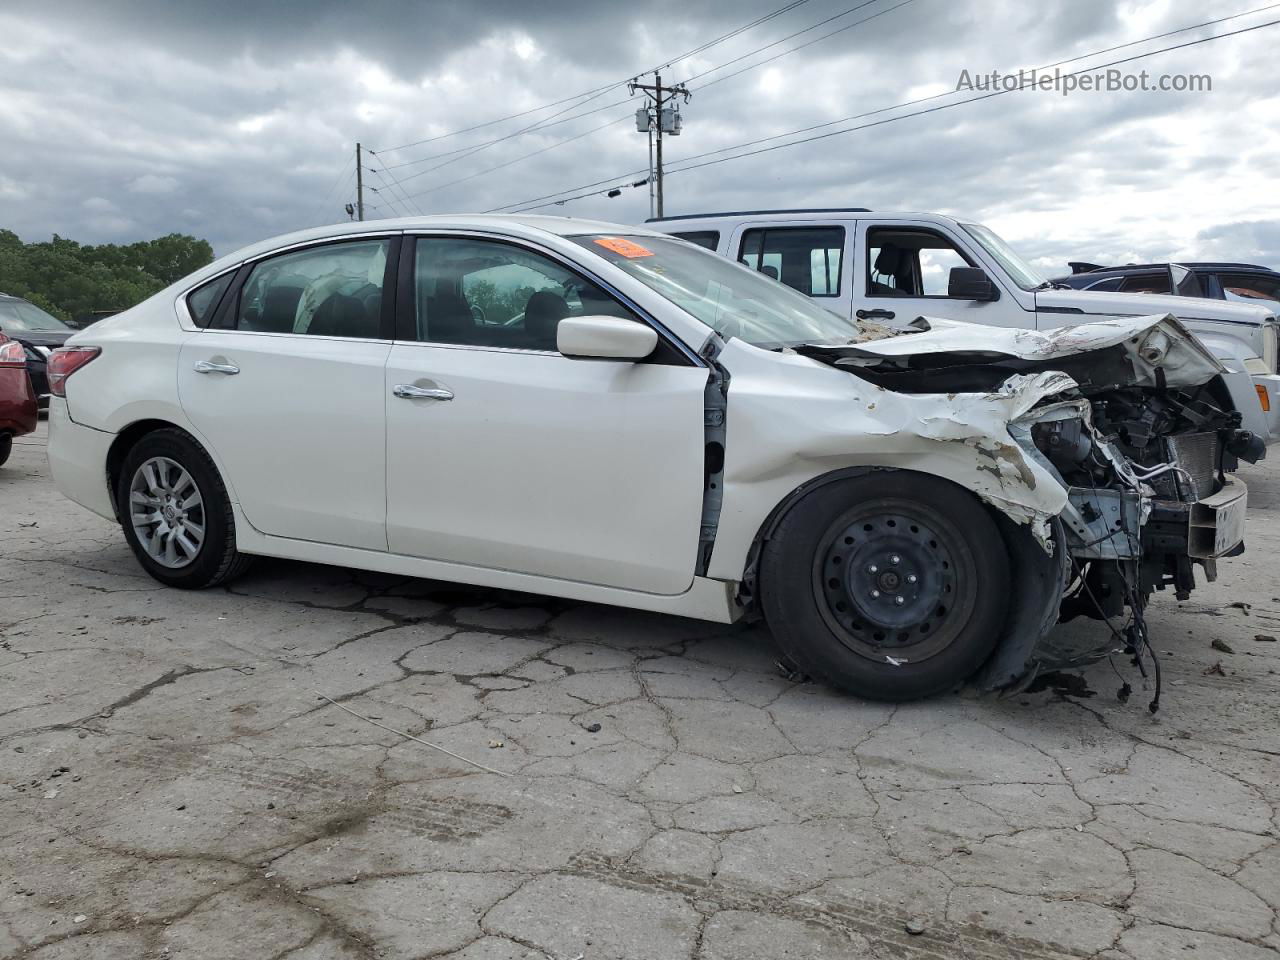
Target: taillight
65 361
12 354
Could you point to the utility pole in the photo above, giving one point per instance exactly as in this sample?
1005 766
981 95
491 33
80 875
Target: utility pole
667 117
359 186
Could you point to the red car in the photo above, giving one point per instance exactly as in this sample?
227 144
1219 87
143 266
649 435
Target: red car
18 410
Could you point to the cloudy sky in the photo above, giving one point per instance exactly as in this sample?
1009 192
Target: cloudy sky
233 120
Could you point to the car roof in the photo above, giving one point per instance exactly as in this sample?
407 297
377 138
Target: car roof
1190 264
806 213
528 226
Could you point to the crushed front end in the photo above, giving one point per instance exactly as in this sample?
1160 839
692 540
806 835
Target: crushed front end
1141 437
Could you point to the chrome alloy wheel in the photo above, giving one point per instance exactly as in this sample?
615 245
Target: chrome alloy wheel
166 511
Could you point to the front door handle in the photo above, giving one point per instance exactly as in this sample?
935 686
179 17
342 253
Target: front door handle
407 391
208 366
874 314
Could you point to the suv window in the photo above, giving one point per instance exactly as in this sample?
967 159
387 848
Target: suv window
1146 283
333 290
203 300
1109 284
703 238
902 262
1251 288
804 258
485 293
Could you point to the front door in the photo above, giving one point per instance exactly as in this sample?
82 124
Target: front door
904 272
504 454
288 392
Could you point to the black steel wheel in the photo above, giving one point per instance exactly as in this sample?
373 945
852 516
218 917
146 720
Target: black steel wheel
892 585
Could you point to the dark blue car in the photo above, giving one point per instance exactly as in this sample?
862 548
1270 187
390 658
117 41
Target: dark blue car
1242 282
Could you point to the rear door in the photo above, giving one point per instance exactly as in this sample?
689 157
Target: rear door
904 271
286 387
504 454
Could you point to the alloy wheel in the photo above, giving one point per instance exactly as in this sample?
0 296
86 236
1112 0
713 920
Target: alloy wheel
166 511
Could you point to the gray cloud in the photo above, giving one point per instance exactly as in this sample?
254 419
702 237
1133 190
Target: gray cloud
237 120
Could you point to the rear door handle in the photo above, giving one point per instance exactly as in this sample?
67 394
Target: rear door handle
208 366
874 314
407 391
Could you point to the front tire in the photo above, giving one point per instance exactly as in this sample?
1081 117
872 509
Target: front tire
891 586
176 514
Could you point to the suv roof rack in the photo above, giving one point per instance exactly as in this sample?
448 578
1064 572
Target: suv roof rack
755 213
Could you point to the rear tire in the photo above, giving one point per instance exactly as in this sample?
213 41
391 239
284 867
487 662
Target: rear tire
6 447
891 586
176 514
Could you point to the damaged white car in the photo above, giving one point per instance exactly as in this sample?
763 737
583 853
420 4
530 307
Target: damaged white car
611 415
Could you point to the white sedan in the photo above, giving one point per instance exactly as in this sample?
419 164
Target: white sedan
612 415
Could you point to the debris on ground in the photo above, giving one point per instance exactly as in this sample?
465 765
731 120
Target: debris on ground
1264 638
915 926
1223 646
592 728
1215 671
495 744
1063 684
1241 605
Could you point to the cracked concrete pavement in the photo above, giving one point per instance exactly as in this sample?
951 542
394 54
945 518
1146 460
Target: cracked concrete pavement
172 784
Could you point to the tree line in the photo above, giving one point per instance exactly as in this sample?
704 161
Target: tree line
72 280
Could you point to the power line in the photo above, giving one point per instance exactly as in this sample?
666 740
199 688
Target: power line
547 196
343 174
786 8
807 43
790 36
947 106
526 156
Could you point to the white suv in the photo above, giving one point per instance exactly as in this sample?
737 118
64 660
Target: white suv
894 267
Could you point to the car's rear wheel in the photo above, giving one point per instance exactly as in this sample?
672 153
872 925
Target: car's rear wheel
6 447
176 513
892 585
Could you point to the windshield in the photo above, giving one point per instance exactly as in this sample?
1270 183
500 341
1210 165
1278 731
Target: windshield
1024 274
733 300
21 315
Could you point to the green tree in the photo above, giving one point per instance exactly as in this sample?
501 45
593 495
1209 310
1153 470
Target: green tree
69 279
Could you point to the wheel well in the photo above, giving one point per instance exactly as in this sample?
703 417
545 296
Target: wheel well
123 443
748 591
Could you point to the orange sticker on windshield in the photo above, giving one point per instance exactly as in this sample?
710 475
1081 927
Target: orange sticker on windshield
623 246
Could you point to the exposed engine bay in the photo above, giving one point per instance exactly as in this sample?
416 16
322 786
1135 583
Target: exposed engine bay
1138 433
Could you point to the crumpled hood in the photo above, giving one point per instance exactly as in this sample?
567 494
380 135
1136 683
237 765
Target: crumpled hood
1156 342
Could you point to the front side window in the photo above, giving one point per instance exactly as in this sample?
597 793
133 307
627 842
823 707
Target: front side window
902 262
485 293
731 299
333 290
804 258
203 300
21 315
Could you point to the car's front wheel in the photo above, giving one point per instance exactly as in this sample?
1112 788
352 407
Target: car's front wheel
176 513
892 586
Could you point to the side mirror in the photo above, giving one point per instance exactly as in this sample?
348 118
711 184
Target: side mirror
604 338
971 283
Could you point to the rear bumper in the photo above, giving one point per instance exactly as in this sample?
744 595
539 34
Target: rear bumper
78 460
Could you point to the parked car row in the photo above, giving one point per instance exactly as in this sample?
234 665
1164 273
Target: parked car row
18 411
612 414
38 332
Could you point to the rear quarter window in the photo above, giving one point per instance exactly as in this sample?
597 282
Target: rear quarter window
204 299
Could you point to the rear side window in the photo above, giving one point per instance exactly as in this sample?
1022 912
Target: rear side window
333 290
1251 288
1146 283
807 259
203 300
703 238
